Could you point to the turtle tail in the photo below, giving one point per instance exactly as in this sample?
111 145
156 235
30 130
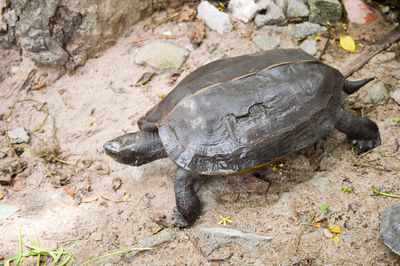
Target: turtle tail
351 87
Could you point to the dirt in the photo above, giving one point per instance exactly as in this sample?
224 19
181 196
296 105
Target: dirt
71 195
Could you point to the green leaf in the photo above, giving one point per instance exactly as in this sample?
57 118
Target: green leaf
324 207
346 190
396 119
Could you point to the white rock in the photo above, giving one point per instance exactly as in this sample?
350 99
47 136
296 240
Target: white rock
243 10
309 46
297 8
396 96
262 4
282 4
216 20
18 135
267 42
273 15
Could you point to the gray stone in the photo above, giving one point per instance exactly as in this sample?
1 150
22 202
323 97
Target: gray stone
353 207
243 10
273 15
267 42
375 94
282 5
309 46
383 57
215 19
396 96
396 74
322 11
161 55
305 29
164 236
215 234
52 31
296 8
18 135
352 238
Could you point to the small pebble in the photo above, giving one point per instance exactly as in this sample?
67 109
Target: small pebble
353 207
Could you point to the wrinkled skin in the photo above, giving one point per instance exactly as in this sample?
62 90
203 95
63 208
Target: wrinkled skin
175 128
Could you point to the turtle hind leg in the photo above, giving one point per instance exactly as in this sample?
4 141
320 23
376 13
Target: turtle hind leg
361 132
188 206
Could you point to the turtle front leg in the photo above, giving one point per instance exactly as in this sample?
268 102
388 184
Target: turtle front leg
188 206
361 132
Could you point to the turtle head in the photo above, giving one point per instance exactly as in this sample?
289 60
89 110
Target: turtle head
135 148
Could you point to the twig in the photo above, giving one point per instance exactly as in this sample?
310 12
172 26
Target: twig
155 36
297 243
384 194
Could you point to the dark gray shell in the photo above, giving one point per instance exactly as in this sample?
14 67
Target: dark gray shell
249 121
390 228
219 71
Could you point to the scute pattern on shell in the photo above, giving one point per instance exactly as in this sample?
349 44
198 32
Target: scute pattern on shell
247 122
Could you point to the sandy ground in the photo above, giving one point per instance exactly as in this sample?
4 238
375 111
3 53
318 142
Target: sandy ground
100 101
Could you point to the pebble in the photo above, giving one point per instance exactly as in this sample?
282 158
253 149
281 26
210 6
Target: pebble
305 29
161 55
273 15
296 8
243 10
322 11
267 42
216 234
309 46
320 180
396 96
164 236
18 135
215 19
396 74
353 207
256 185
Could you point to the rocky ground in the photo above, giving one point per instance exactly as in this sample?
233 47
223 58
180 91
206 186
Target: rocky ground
68 193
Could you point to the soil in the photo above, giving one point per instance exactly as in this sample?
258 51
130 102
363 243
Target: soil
71 195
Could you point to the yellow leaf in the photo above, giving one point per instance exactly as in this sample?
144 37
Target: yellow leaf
336 229
336 239
347 43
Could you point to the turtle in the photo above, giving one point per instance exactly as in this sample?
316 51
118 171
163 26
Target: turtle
241 113
390 228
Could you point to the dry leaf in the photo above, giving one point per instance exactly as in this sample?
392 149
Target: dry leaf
161 95
347 43
336 229
69 191
90 199
1 195
187 13
39 86
199 32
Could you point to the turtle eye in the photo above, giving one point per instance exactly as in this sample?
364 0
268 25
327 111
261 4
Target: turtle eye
112 149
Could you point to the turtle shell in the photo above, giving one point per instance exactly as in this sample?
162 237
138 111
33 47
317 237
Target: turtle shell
390 228
251 120
218 71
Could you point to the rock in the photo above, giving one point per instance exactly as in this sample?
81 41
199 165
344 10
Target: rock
273 15
255 185
389 228
220 234
164 236
375 94
383 57
396 96
309 46
282 4
396 74
216 20
320 180
52 31
353 207
161 55
358 12
267 42
243 10
322 11
305 29
296 8
18 135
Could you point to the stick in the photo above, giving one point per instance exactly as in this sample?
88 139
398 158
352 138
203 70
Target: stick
364 57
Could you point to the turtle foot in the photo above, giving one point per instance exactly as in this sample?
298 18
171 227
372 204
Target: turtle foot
178 220
364 145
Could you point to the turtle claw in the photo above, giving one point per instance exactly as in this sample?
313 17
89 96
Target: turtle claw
178 220
364 145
